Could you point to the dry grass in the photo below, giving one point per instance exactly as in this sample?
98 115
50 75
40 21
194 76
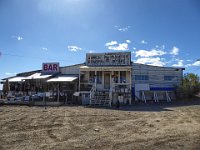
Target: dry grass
138 127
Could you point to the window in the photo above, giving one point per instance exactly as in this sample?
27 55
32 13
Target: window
99 77
92 76
122 76
116 77
170 78
141 77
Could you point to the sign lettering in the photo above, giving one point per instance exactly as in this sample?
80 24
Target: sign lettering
50 67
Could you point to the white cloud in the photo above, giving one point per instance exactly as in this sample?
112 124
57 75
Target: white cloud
161 47
91 51
179 63
9 73
188 65
134 48
44 48
151 61
73 48
111 43
146 53
122 29
174 51
120 46
197 63
128 41
114 45
19 38
143 42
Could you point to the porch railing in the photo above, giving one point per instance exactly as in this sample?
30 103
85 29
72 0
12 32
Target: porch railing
92 92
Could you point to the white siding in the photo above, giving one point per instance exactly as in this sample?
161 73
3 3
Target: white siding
156 75
74 69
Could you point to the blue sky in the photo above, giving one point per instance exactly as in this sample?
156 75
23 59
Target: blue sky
157 32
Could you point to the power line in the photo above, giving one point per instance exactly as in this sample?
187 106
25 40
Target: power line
31 57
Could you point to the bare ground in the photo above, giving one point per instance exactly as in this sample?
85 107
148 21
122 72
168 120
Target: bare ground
136 127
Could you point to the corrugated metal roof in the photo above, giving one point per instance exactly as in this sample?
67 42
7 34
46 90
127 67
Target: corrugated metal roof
37 76
62 79
16 79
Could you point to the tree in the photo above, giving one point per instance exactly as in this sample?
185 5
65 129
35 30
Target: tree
190 85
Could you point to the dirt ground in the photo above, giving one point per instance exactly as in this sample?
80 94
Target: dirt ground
77 127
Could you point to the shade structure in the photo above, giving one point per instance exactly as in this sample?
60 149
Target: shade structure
16 79
37 76
62 79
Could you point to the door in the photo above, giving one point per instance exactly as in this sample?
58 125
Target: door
106 80
85 98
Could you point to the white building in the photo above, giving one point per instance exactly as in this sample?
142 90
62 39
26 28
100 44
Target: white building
104 79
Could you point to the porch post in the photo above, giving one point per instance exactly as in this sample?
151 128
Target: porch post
58 93
118 76
112 73
130 87
79 81
95 80
111 96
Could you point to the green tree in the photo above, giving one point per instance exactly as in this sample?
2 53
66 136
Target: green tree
190 85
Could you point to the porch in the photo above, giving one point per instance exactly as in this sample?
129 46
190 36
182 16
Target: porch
105 85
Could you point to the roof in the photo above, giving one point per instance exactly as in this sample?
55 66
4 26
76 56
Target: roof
132 64
62 79
73 65
37 76
16 79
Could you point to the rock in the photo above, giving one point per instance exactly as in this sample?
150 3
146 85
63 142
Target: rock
97 130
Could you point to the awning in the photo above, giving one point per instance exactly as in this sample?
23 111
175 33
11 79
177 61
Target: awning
16 79
37 76
62 79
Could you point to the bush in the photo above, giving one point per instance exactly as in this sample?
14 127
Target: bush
190 85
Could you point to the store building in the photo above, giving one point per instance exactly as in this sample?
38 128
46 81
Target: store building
104 79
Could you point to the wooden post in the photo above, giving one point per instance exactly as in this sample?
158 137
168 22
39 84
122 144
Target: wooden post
130 102
118 76
79 80
66 99
58 93
95 80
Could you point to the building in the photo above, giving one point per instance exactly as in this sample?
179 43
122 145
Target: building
104 79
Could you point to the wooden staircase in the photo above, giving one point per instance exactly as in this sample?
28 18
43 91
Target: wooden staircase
100 99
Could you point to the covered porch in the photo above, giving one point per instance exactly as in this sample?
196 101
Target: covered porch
109 82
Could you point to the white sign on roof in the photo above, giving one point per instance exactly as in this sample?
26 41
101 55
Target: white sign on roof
108 59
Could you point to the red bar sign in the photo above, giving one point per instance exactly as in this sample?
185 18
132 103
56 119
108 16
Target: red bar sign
50 67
